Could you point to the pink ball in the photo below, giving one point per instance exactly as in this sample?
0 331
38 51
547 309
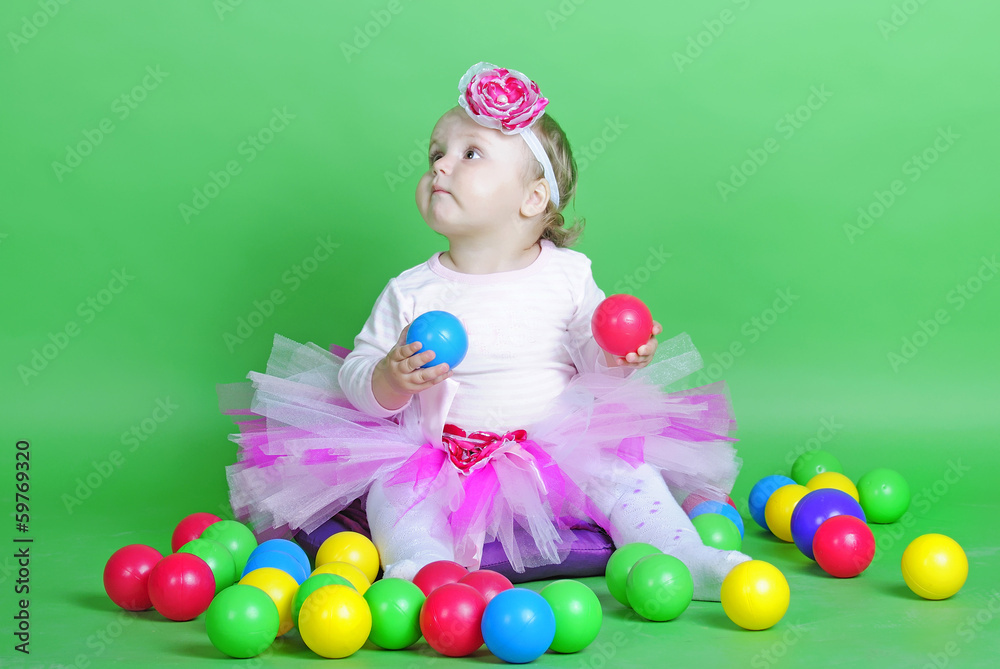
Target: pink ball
434 575
844 546
126 576
191 528
451 619
621 324
181 586
488 583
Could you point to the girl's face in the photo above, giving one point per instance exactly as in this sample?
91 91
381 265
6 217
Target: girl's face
477 178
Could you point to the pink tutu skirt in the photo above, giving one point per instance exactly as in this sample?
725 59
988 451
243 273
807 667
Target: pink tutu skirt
305 453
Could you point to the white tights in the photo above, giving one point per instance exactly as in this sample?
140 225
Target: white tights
643 510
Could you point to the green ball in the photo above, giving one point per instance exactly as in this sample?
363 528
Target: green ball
309 586
616 573
884 495
242 621
218 558
235 536
659 587
578 614
809 464
718 531
395 605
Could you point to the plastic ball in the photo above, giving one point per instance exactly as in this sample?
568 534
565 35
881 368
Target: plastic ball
335 621
289 547
280 587
235 536
884 495
518 625
276 559
621 562
352 548
844 546
935 566
578 615
181 586
718 531
354 575
711 506
811 463
699 496
814 509
834 480
621 324
190 528
432 576
451 619
761 493
395 607
442 333
126 576
242 621
489 583
217 557
755 595
311 585
660 587
780 507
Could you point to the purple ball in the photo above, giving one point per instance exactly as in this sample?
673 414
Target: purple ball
817 507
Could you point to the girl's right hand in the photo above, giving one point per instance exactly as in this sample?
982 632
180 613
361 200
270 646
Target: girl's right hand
403 370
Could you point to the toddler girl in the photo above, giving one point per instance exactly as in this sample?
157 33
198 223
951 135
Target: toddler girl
537 429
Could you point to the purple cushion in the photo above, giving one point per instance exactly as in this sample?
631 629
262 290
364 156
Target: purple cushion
588 556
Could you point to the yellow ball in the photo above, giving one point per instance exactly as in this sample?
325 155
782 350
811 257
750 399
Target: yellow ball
348 571
335 621
352 548
280 587
834 480
935 566
755 595
778 511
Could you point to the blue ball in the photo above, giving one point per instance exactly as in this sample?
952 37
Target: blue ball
711 506
817 507
286 546
761 492
278 560
518 625
442 333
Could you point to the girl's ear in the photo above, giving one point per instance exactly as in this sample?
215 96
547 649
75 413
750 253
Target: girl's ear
536 199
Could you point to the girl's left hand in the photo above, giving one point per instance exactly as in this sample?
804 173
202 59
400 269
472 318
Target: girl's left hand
641 357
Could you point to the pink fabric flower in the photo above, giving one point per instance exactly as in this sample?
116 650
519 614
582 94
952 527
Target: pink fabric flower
499 98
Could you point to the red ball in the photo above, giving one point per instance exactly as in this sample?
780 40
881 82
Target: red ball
451 619
698 496
488 583
126 576
621 324
191 528
844 546
434 575
181 586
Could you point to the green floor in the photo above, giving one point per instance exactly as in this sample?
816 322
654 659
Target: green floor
869 621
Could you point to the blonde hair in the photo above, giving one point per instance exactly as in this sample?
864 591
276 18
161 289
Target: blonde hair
556 145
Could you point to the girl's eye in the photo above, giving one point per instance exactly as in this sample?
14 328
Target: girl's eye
469 153
434 156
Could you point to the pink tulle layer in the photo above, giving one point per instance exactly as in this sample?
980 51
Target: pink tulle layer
306 453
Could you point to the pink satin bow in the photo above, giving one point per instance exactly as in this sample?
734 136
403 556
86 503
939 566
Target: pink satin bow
466 451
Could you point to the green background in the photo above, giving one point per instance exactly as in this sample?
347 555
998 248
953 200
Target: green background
797 310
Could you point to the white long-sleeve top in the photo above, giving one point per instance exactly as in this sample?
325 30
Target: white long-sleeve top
529 334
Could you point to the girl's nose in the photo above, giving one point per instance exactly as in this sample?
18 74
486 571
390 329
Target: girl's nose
442 164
